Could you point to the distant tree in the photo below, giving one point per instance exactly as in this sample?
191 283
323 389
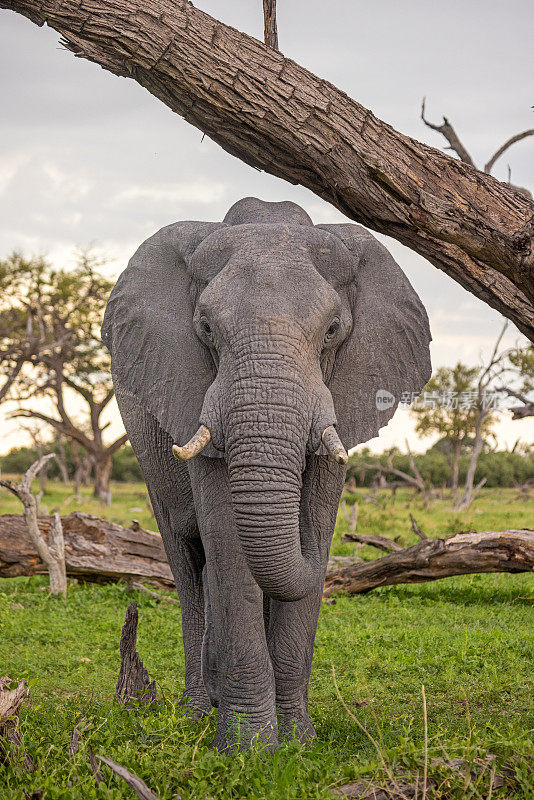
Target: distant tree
520 380
70 366
484 416
448 407
23 337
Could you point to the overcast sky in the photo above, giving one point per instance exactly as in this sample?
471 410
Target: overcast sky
87 158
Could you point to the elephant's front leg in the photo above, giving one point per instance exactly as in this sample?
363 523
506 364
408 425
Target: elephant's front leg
291 635
246 688
292 626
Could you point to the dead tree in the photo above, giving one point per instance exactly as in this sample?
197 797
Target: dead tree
520 363
52 553
432 559
483 412
524 410
74 362
447 130
276 116
412 479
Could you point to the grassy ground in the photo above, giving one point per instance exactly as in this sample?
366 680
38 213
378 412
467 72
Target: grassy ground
469 641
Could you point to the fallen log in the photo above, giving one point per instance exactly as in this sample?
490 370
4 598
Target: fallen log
432 559
95 550
98 550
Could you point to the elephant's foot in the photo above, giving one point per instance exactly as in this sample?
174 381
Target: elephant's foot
295 724
195 702
239 733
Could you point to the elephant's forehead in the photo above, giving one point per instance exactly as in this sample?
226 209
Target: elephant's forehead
276 249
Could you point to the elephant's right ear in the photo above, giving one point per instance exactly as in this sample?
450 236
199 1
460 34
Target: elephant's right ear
148 328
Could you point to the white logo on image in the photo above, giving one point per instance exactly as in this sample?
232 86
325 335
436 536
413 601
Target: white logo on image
384 400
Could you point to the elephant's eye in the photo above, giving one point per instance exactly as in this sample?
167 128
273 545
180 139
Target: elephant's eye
205 327
332 330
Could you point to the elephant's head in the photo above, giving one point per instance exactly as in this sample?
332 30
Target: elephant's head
262 333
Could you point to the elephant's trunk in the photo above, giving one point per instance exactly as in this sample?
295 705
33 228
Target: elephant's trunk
268 424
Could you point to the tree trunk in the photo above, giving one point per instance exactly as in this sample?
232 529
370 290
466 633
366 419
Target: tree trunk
432 559
95 549
276 116
470 491
102 473
61 461
455 455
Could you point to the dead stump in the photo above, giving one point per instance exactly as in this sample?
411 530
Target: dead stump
133 683
11 701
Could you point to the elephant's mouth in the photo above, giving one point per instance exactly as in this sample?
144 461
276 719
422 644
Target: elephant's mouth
202 437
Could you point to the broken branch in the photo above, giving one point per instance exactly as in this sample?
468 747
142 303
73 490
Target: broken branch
432 559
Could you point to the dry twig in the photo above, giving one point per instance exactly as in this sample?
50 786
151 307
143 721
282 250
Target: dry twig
134 782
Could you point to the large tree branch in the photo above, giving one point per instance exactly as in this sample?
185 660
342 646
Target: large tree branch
274 115
117 444
11 377
68 430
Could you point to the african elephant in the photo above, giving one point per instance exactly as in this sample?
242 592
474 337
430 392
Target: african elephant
262 342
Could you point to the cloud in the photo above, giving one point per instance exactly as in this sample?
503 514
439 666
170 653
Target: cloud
62 184
201 192
10 165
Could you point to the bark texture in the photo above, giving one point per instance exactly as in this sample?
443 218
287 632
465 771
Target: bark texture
95 550
431 559
276 116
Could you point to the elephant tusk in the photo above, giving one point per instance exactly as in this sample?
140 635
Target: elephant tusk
332 442
197 443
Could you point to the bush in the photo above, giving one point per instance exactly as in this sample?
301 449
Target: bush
125 466
500 468
18 460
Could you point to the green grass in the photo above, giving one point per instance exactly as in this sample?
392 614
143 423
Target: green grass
468 640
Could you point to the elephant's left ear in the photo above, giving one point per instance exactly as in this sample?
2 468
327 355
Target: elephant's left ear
386 357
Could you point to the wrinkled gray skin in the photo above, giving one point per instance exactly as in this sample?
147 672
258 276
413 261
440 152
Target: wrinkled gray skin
266 329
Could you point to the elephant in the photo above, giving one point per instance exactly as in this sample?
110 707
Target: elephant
247 357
